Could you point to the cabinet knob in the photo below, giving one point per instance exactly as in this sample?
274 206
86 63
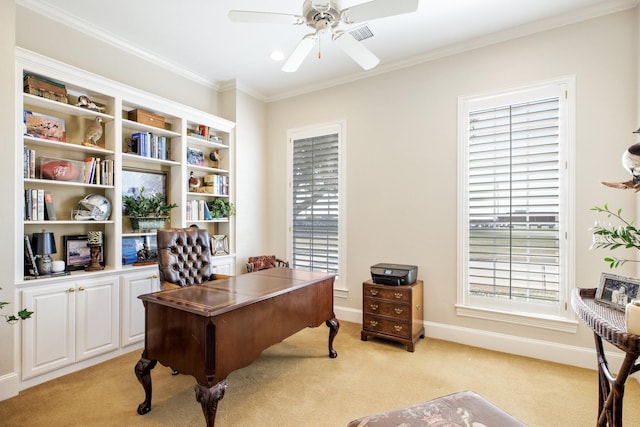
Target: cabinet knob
373 291
71 290
373 323
398 310
154 276
81 288
398 295
398 328
374 307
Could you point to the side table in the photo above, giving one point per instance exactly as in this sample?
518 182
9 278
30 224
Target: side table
393 312
608 323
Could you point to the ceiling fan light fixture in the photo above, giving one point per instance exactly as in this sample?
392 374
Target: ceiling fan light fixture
300 52
356 50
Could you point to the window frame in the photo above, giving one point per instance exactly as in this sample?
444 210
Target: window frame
560 317
311 131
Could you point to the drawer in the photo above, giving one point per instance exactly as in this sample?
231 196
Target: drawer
387 308
394 293
386 326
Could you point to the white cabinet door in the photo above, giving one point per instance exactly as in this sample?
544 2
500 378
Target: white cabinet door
97 316
223 265
133 285
48 337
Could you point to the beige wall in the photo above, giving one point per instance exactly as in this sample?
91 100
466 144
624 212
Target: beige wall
402 154
251 190
7 173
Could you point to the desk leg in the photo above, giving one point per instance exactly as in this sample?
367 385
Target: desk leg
333 325
209 398
611 390
143 373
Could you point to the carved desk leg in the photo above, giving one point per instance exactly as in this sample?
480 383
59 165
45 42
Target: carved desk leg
208 398
143 373
333 325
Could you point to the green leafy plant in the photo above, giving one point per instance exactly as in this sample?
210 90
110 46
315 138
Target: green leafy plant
12 318
609 236
221 208
151 206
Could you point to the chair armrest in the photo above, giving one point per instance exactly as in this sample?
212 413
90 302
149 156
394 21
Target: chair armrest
168 285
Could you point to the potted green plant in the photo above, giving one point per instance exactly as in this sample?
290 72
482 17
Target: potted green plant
609 236
147 212
12 318
221 208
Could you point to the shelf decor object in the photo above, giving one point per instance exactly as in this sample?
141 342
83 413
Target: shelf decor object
94 241
45 245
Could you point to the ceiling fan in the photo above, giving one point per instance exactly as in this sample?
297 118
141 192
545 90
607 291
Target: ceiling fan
324 16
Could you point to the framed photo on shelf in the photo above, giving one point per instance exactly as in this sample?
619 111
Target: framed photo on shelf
153 182
616 291
131 247
77 255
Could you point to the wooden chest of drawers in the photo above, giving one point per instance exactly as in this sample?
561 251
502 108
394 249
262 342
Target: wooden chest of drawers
393 312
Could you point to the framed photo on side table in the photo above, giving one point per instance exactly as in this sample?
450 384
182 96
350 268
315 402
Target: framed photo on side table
77 254
617 291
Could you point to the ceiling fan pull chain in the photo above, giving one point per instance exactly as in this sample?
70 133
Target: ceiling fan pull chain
319 48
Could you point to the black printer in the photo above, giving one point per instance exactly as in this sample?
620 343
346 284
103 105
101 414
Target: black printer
394 274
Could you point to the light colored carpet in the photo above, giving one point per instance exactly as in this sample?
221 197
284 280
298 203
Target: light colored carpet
295 383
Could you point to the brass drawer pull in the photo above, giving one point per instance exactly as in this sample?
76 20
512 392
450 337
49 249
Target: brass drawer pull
398 295
81 288
398 310
71 290
373 291
374 307
398 328
373 323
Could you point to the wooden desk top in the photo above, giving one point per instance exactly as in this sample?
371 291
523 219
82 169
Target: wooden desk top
219 296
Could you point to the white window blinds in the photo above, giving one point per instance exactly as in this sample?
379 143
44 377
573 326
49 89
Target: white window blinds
315 194
513 198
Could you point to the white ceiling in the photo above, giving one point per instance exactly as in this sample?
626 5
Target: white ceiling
196 39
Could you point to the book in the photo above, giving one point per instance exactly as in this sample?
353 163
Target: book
30 268
40 203
50 212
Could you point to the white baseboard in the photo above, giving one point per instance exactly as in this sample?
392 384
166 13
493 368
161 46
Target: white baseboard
8 386
581 357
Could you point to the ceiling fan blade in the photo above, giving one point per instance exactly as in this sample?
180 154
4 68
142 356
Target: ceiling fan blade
300 52
356 50
378 9
264 17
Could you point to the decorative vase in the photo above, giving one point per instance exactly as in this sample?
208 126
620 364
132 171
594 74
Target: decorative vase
144 224
632 316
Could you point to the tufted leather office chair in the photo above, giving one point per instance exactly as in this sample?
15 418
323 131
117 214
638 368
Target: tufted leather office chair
262 262
184 257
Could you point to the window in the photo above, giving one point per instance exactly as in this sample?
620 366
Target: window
514 201
315 199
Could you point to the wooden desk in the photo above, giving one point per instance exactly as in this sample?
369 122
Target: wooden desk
609 324
212 329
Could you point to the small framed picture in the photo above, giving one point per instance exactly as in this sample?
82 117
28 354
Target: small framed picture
77 254
616 291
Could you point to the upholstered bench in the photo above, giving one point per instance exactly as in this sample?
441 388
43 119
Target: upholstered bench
465 408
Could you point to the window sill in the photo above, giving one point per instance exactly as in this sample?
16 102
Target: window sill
545 322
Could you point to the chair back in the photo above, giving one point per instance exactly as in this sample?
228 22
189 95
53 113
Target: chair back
184 256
